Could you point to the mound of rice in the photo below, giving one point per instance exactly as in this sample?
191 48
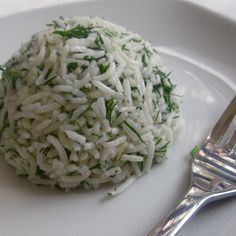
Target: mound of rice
86 102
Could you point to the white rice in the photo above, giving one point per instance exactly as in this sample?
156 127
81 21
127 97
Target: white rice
86 102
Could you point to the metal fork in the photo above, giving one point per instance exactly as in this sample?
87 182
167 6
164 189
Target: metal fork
213 175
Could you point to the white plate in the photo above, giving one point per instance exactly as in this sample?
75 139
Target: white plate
199 47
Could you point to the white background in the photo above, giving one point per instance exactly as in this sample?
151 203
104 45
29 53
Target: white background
7 7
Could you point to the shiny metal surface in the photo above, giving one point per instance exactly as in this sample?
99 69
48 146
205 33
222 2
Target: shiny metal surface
213 175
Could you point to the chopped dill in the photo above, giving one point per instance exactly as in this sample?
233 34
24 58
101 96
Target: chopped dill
160 152
111 136
99 41
134 131
158 140
9 75
145 64
141 165
41 173
194 151
78 32
147 51
124 48
50 80
89 58
110 33
72 66
48 73
87 109
85 89
122 77
54 24
135 40
110 104
84 67
157 115
103 68
41 67
167 88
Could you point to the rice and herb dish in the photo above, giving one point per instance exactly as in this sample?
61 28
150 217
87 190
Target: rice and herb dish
86 102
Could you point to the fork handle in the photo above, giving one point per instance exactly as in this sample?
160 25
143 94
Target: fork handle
170 226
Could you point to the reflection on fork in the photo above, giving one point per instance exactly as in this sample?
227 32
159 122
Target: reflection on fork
213 175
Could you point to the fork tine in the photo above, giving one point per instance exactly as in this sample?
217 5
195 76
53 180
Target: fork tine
231 142
223 123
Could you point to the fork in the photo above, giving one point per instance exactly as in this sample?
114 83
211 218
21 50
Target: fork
213 175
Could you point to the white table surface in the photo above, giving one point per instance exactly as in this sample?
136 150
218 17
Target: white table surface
7 7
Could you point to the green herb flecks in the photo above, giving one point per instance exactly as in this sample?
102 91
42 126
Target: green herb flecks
103 68
160 152
135 40
41 173
41 67
78 32
147 51
157 116
54 24
122 77
111 136
99 41
5 124
194 151
110 105
110 33
124 48
85 89
141 165
166 86
135 89
84 67
72 66
157 140
134 131
87 109
89 58
9 75
48 73
50 80
145 64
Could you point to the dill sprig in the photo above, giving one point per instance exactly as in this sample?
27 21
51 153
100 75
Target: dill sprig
147 51
72 66
48 73
89 58
87 109
9 75
160 152
141 165
78 32
167 88
194 151
145 64
134 131
110 104
111 136
99 41
135 40
41 173
110 33
103 68
124 48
